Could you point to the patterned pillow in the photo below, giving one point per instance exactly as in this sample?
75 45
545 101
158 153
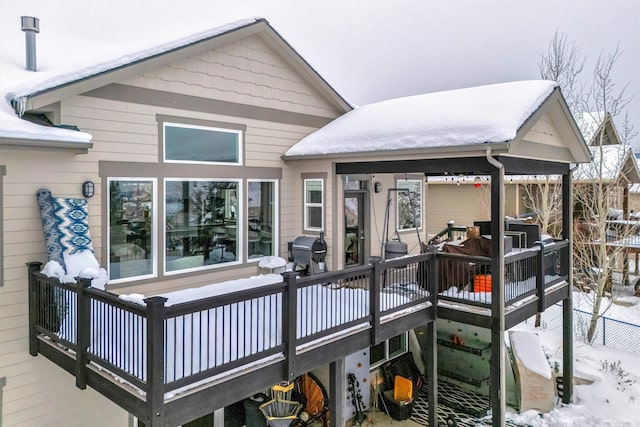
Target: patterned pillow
72 219
50 227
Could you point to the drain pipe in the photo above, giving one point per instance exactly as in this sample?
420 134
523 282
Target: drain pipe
31 27
498 360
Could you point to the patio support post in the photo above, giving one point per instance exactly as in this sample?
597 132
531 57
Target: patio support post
540 268
83 328
337 392
34 303
290 308
374 298
155 361
497 365
627 232
567 304
431 367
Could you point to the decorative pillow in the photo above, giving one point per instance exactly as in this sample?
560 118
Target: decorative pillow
73 224
50 227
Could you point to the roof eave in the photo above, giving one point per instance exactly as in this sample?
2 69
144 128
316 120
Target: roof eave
76 87
471 150
57 145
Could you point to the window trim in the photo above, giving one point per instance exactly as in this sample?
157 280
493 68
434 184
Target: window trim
154 230
239 148
239 227
275 239
387 357
419 206
305 224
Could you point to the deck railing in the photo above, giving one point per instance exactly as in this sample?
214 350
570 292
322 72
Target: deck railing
467 279
163 349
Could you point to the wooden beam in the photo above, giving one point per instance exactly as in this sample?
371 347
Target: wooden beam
567 304
337 392
497 387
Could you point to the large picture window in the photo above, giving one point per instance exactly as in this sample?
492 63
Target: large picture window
132 227
409 205
314 204
261 214
201 223
201 144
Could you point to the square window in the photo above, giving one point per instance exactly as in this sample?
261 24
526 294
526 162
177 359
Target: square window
201 220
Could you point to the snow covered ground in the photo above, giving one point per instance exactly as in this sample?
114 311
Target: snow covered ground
610 395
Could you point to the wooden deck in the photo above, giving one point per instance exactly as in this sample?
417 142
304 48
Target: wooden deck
169 364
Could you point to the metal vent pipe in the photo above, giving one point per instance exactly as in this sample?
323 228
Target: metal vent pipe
31 27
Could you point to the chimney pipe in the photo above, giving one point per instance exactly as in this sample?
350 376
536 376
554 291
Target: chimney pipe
30 26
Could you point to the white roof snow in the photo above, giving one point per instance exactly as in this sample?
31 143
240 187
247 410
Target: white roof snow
608 163
88 59
589 123
483 114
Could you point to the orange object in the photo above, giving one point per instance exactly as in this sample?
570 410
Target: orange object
482 283
402 388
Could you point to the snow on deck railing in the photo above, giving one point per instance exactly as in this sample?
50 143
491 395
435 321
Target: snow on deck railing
467 279
160 348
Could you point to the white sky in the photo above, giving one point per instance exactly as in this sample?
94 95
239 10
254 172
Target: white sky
371 50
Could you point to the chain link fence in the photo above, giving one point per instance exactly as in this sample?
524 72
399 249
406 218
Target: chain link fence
611 333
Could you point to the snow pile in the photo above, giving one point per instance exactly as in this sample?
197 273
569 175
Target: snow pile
82 264
191 294
272 262
526 346
483 114
607 390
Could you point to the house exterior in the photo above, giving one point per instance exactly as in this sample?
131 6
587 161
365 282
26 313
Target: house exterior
243 81
285 156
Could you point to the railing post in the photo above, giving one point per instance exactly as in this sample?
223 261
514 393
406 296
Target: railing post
432 338
83 330
374 298
540 267
450 229
289 322
155 361
34 304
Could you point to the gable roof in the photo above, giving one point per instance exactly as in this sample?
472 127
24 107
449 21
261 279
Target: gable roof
611 164
595 123
499 116
40 89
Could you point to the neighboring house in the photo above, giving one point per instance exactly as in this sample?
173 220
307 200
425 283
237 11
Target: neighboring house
613 162
212 152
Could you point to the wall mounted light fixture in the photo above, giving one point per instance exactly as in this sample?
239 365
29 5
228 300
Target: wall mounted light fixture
377 187
88 189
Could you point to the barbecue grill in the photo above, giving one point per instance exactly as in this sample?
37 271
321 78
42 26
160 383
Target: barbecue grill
308 254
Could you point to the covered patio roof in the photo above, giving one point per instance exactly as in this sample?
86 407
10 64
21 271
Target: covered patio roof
520 120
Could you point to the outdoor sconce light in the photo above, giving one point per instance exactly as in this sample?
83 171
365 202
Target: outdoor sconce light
377 187
88 189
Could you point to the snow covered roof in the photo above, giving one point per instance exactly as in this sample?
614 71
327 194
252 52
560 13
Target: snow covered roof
94 59
476 115
610 163
590 124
